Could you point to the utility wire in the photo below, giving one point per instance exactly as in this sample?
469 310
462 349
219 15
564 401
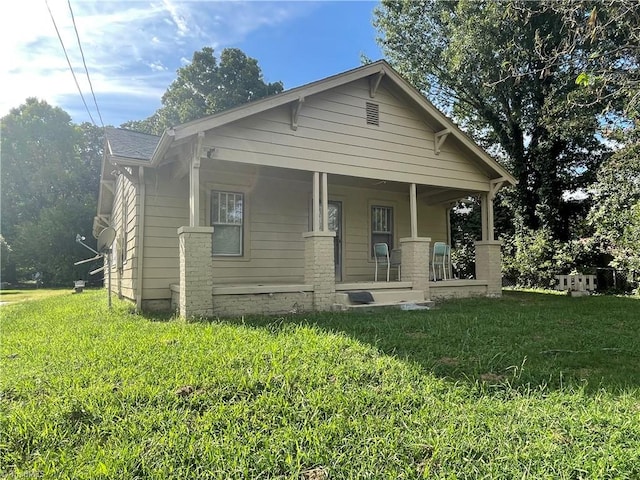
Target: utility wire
85 63
69 62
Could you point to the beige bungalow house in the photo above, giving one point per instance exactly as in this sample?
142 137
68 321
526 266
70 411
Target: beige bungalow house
274 206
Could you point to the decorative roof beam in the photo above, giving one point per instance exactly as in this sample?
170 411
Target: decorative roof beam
440 137
374 83
132 177
495 185
295 111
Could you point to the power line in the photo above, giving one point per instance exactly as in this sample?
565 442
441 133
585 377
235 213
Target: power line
69 62
85 64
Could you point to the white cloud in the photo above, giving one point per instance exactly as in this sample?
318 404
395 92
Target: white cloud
157 67
132 49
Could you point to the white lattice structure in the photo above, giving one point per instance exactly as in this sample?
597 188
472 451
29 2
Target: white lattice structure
576 283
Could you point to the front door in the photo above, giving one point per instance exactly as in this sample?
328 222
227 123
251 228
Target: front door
335 225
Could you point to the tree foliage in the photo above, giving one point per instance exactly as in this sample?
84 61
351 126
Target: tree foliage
602 40
615 216
207 86
49 180
478 62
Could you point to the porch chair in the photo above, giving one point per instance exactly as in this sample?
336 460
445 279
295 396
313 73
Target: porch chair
441 260
381 255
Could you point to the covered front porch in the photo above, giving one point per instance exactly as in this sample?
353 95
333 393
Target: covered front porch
324 284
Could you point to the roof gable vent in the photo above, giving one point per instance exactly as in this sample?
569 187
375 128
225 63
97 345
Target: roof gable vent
373 114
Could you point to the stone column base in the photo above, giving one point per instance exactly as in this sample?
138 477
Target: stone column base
415 262
196 271
319 268
489 265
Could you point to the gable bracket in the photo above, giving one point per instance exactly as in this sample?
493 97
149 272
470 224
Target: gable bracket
120 170
374 83
440 137
295 111
495 185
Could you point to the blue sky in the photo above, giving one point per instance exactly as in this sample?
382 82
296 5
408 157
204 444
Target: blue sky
133 48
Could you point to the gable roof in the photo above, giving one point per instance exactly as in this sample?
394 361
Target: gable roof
380 68
125 143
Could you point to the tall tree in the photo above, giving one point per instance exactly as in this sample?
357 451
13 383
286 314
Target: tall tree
603 41
49 183
479 62
206 86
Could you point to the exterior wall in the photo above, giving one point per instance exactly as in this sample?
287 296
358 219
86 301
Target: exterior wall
333 136
124 219
457 289
262 303
166 210
276 214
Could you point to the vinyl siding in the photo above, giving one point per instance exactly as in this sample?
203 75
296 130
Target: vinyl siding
332 136
124 220
166 210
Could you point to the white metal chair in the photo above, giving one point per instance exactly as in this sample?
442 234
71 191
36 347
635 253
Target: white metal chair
381 255
396 260
441 260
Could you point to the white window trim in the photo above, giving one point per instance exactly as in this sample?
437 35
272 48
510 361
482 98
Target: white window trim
240 225
246 218
394 228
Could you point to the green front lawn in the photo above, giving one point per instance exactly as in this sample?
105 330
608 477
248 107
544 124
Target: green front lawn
28 294
528 386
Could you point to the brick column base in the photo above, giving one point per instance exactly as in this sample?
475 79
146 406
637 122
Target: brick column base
489 265
196 271
415 262
319 268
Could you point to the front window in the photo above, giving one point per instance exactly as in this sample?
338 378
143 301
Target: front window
227 220
381 226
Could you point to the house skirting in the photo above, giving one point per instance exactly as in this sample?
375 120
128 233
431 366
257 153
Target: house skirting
458 289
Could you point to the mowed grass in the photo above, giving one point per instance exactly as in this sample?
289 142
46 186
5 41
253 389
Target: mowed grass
528 386
25 295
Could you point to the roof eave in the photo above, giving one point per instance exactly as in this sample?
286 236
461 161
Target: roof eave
167 138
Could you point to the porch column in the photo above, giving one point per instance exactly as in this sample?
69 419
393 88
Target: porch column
194 182
196 271
489 265
319 268
325 204
486 216
415 263
315 202
486 204
413 204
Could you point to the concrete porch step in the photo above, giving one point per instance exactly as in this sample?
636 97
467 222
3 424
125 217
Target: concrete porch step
384 298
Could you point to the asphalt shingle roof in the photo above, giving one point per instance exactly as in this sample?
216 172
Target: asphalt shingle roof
130 144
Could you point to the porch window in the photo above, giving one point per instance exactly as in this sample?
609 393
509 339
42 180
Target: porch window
381 226
227 220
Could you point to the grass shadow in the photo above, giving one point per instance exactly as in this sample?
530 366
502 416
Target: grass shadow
524 339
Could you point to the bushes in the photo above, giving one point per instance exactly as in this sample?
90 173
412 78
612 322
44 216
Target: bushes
532 258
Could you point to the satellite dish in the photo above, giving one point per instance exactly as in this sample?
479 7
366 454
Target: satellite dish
105 239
